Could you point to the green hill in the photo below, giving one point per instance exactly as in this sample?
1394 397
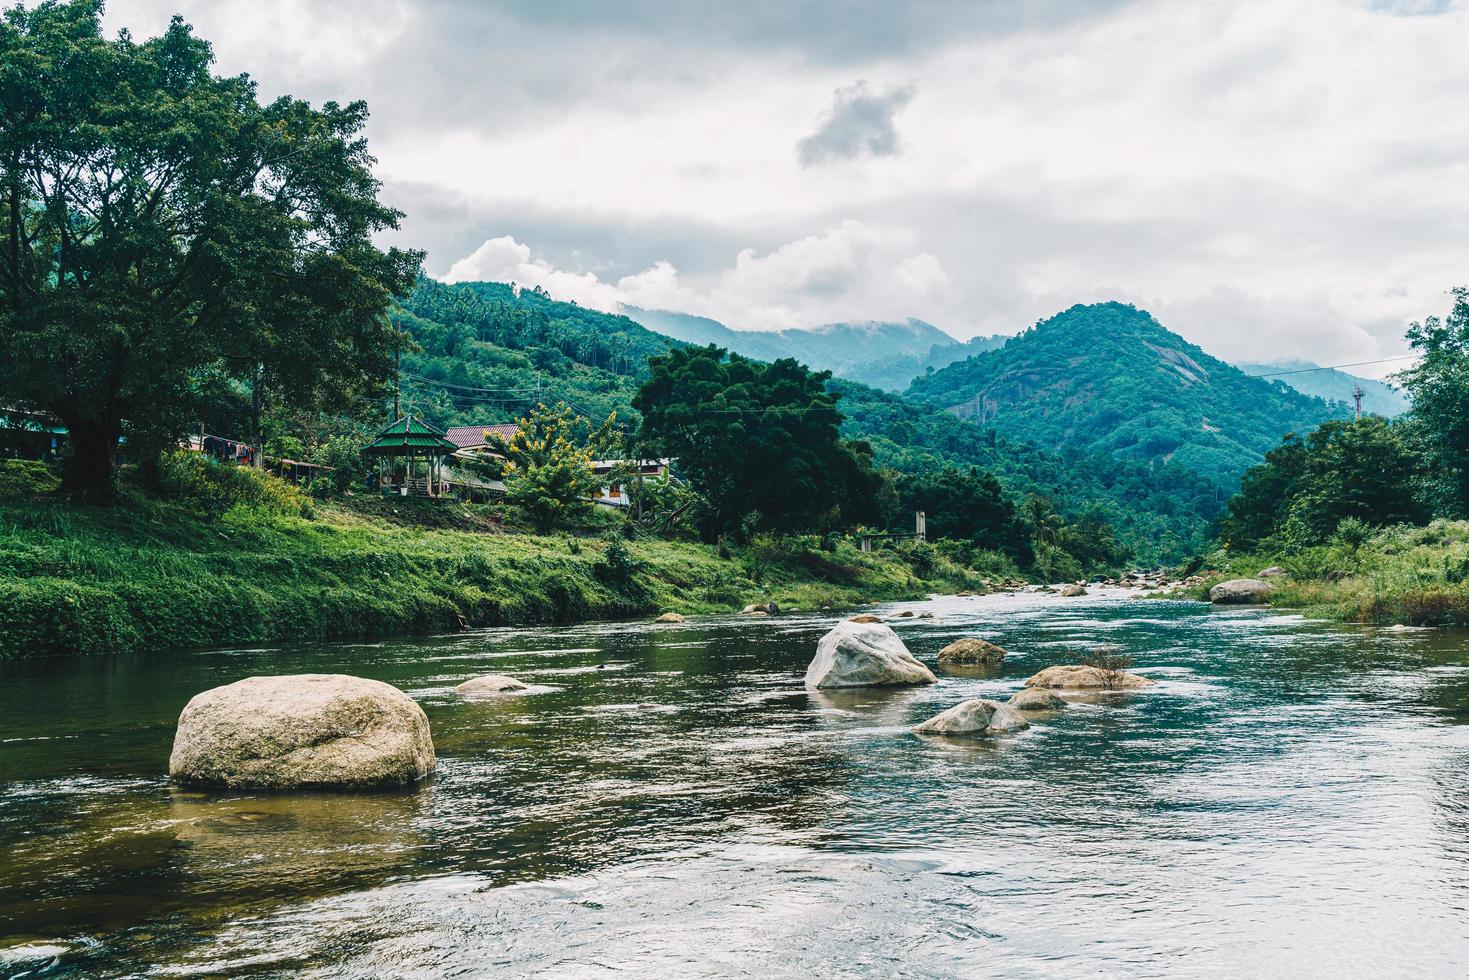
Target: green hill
1108 378
488 353
1333 385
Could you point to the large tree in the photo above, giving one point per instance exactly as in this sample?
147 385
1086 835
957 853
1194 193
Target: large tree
759 441
158 224
1439 387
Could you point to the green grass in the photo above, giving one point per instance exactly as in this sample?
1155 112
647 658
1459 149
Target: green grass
1416 576
147 575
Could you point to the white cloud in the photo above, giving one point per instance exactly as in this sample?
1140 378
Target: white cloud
1274 177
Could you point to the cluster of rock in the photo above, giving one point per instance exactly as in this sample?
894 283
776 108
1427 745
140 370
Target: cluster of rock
334 731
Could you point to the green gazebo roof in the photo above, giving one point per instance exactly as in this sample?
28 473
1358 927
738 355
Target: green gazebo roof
410 435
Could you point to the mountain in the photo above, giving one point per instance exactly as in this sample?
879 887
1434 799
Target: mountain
1333 385
486 353
1109 378
884 354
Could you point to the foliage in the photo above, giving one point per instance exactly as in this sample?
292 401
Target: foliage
967 506
1363 471
1109 378
20 477
760 442
157 574
164 227
548 476
211 488
1439 387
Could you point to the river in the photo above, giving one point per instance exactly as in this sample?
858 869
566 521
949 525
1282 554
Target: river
1292 799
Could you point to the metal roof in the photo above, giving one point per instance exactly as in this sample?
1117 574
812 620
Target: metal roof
471 436
410 435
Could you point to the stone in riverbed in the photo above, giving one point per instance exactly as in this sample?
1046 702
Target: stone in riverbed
1072 590
905 614
760 609
979 716
865 618
970 651
1069 677
864 655
1036 699
490 684
1240 591
302 731
669 617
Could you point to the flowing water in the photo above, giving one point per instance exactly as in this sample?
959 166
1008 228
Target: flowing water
1291 800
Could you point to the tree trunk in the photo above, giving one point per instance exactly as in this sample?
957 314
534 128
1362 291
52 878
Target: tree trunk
91 471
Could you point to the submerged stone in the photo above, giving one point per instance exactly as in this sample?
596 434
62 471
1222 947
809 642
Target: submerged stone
490 684
669 617
979 716
972 650
1036 699
1083 677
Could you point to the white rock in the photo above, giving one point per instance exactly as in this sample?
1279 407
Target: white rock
490 684
864 655
1240 591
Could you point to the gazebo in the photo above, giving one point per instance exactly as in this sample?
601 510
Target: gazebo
410 438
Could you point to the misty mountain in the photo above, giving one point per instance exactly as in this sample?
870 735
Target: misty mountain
884 354
1378 398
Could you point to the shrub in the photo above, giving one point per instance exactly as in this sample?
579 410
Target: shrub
212 488
27 477
1112 664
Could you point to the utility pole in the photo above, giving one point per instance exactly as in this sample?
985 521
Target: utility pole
1357 397
397 371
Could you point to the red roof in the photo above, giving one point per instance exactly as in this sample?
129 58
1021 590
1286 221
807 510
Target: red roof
470 436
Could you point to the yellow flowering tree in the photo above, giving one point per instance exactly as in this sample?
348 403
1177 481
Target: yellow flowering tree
547 474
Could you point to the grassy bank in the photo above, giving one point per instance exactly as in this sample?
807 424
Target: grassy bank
1416 576
206 570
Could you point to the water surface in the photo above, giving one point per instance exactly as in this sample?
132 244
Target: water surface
1292 799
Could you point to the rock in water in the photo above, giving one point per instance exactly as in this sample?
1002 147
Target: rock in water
864 655
1081 677
1072 590
972 650
1240 591
490 684
760 609
302 731
979 716
865 618
1036 699
669 617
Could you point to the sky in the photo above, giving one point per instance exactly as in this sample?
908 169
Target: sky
1271 178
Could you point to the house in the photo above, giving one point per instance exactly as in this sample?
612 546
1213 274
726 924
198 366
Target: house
475 443
615 494
26 434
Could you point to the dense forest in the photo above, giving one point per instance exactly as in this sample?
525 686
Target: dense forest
1109 378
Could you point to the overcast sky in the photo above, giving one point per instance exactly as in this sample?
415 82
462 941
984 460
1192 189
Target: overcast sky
1272 178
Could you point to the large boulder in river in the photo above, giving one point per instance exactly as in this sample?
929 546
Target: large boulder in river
669 617
490 684
972 651
864 655
865 618
1240 591
1071 590
1036 699
302 731
760 609
1072 677
979 716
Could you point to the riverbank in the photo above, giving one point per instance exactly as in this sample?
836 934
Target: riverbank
147 575
1414 576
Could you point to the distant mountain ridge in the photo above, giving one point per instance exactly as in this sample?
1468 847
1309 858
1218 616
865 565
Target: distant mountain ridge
884 354
1378 398
1110 378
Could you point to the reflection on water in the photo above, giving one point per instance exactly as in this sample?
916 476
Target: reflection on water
1292 798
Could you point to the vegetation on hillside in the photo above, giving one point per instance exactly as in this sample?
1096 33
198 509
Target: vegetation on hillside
237 556
1108 378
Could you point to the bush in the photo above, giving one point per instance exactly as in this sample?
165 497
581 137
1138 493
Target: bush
27 477
212 488
48 617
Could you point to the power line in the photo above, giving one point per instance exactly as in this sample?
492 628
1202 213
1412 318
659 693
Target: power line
1335 367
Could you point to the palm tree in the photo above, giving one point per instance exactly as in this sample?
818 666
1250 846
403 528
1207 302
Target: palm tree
1045 523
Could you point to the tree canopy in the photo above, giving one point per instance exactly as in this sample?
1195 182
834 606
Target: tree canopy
161 226
1439 387
761 442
